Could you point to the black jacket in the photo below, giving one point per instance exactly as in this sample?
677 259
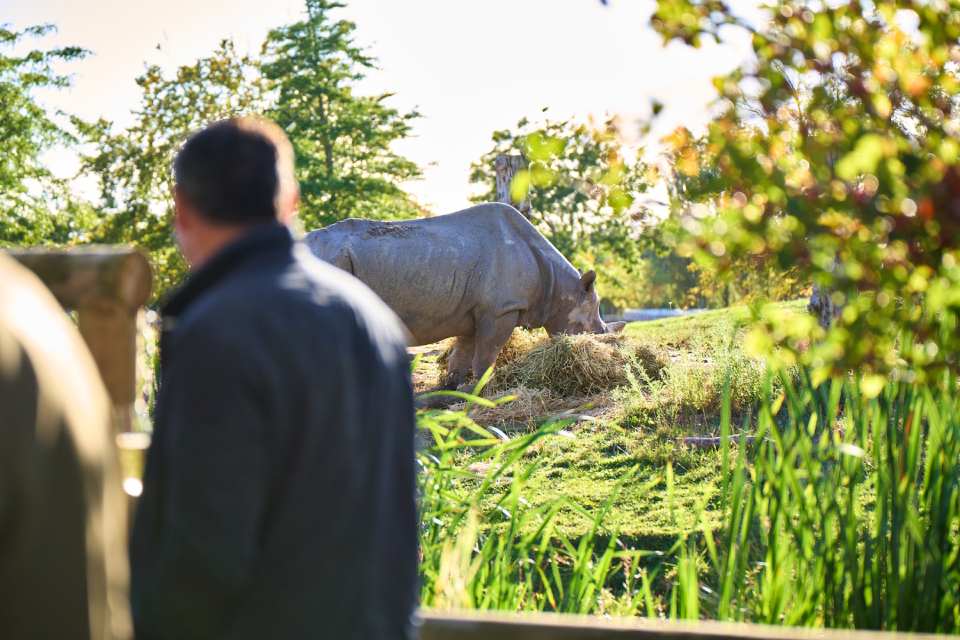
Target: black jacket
278 497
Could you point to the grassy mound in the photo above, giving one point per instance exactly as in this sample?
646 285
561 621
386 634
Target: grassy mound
637 425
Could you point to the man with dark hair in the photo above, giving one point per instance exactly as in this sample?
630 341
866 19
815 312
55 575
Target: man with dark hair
278 497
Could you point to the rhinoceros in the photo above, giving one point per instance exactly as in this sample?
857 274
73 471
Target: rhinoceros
475 274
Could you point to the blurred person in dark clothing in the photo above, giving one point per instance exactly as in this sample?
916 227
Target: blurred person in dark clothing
278 498
63 561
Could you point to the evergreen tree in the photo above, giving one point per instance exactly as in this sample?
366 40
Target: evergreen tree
342 140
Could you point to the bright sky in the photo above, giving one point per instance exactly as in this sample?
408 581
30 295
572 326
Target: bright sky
469 66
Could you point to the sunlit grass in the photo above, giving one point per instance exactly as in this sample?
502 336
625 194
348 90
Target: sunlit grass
842 511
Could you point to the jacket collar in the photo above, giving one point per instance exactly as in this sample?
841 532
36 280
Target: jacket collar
262 241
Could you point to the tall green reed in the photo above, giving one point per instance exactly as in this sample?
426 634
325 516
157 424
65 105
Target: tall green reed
844 513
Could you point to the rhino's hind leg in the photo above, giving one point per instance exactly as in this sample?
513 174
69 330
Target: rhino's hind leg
459 363
492 334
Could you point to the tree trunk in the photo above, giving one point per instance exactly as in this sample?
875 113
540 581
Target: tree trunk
325 139
506 167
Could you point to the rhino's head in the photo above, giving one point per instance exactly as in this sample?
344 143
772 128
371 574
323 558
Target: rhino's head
578 310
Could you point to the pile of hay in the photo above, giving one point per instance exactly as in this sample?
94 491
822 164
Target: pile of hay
567 366
528 405
578 365
521 341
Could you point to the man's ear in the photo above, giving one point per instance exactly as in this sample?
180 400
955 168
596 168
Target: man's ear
587 280
289 208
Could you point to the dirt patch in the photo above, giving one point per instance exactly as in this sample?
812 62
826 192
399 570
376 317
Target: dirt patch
532 407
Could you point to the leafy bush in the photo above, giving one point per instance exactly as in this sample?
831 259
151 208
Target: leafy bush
835 152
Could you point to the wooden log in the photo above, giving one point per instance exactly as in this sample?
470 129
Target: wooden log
545 626
505 168
821 305
84 276
110 331
106 286
713 442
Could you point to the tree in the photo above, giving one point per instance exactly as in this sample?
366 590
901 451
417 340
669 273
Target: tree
583 190
342 140
582 187
837 149
134 166
35 207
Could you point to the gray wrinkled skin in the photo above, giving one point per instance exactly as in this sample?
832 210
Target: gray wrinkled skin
475 274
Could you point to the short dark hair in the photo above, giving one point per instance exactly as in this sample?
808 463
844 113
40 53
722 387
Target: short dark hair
236 171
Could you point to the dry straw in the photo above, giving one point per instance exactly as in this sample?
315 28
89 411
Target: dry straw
527 405
566 366
521 341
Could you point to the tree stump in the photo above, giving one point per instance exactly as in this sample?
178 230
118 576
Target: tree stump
822 305
506 167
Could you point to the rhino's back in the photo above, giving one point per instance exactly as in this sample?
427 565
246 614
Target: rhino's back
415 257
433 272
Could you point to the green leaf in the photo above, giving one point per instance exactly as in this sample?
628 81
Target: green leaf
520 186
869 151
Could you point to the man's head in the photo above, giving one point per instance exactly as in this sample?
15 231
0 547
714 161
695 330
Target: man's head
231 176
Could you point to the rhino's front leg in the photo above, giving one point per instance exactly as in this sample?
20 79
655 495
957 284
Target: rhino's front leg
459 362
492 333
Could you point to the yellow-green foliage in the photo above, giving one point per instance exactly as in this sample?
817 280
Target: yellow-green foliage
835 151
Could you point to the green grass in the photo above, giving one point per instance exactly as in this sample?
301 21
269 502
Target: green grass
601 482
843 512
643 430
587 466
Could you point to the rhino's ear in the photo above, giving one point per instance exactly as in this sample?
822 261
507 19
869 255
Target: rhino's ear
587 280
616 327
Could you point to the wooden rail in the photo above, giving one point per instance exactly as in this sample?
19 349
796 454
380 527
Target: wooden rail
106 286
469 625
